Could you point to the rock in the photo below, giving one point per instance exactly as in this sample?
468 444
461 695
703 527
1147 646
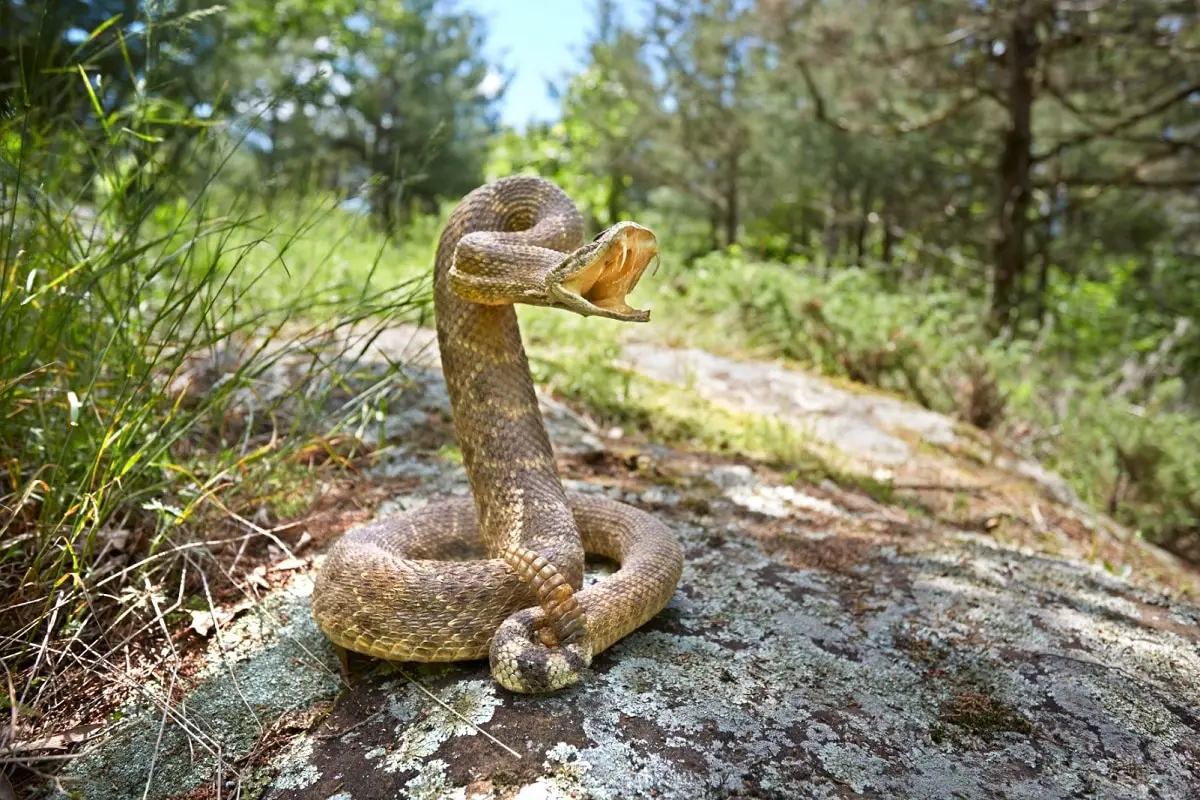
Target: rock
863 424
968 671
774 501
946 666
813 649
1054 485
274 663
659 496
731 476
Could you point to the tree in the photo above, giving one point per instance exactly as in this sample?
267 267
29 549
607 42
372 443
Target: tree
1077 96
341 91
376 91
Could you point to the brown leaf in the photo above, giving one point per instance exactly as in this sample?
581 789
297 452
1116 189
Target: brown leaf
204 622
258 578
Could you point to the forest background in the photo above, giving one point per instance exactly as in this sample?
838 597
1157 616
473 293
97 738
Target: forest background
990 207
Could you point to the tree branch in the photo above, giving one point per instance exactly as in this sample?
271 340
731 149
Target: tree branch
820 109
954 38
1122 182
1117 127
966 101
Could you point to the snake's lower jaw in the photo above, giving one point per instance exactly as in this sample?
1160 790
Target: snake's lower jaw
596 281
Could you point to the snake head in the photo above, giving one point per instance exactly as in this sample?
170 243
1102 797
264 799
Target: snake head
595 279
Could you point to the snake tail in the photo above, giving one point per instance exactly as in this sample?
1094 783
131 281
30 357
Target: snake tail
565 618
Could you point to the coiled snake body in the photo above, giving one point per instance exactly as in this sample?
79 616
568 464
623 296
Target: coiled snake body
501 576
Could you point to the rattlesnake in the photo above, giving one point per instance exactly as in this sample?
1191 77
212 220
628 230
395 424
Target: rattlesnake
502 575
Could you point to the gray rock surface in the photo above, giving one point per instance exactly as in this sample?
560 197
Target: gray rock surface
864 431
964 670
820 645
855 422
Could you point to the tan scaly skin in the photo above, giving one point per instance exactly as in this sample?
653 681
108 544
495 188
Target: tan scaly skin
501 576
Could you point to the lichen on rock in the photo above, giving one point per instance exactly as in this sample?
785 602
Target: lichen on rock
813 649
274 661
948 668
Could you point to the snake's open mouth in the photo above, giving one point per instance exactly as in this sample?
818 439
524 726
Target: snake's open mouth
601 286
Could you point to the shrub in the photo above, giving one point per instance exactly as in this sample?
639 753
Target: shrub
1065 396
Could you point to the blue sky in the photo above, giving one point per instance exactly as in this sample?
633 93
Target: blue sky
533 41
536 40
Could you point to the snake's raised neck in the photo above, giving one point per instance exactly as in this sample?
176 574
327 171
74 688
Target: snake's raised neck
506 450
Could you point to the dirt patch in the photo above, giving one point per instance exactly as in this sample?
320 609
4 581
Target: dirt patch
983 715
836 553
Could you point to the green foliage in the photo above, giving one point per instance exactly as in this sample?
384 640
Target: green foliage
106 419
980 142
988 208
557 152
1126 445
394 98
383 102
578 359
175 362
588 151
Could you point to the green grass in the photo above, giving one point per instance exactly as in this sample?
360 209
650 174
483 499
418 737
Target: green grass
1051 395
579 359
149 329
316 252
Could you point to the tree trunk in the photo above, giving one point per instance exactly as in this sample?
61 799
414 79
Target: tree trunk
888 246
714 227
802 235
731 198
384 203
616 196
1008 252
1050 229
860 240
862 224
830 238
